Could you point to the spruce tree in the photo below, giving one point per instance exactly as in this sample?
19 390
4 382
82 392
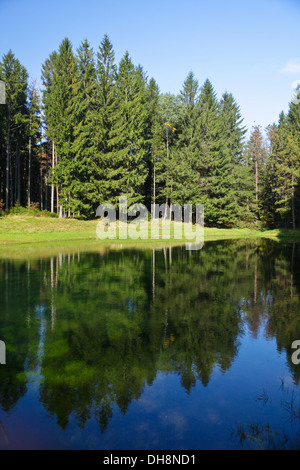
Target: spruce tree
155 136
232 134
103 117
34 137
15 114
255 155
129 143
287 172
214 162
187 154
84 144
293 116
63 123
48 122
171 112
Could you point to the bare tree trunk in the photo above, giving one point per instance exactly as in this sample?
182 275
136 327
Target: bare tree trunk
292 269
57 192
18 174
52 185
41 187
69 209
29 172
14 185
11 185
293 204
46 193
153 274
256 180
167 132
7 161
154 195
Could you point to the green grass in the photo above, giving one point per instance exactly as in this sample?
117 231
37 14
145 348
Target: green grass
19 233
21 229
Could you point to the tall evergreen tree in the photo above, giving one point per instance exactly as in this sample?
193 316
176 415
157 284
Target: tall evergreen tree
48 105
103 119
214 162
155 136
171 115
34 137
84 145
293 116
286 171
188 145
255 155
130 150
63 122
15 115
233 132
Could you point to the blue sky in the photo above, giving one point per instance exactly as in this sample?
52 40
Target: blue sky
248 48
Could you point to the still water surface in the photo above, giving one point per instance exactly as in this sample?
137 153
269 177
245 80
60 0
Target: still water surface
151 349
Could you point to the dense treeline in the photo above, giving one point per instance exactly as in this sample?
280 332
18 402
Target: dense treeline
97 130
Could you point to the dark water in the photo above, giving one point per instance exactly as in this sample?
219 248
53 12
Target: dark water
165 349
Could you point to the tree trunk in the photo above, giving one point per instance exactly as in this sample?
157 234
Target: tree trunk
52 185
41 187
18 174
69 209
29 174
153 214
256 180
7 161
293 204
167 179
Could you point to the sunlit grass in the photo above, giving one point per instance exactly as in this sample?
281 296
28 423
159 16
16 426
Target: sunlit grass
20 234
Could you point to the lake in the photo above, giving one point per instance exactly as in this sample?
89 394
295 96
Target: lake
151 349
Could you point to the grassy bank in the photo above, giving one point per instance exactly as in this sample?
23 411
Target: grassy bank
21 230
19 233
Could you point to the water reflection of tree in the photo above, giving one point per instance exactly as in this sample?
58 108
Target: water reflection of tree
18 329
274 299
113 320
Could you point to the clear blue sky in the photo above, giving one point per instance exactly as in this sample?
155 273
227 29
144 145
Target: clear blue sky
248 48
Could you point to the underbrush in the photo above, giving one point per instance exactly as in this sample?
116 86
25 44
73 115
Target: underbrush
32 211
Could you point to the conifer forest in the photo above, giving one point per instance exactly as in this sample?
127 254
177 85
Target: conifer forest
96 129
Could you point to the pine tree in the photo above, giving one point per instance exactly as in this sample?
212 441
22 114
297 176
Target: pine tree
293 116
155 137
48 104
189 97
171 114
214 163
103 117
62 122
84 146
34 132
15 76
233 133
287 171
255 155
127 170
2 152
269 215
188 145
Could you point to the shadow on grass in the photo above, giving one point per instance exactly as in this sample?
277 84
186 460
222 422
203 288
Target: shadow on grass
282 234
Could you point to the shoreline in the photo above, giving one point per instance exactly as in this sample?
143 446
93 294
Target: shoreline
22 236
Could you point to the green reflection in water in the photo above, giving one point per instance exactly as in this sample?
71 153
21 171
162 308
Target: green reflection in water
92 330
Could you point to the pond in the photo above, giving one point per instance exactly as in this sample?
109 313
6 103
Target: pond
151 349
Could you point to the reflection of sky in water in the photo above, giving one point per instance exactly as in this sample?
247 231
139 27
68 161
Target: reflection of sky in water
253 387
